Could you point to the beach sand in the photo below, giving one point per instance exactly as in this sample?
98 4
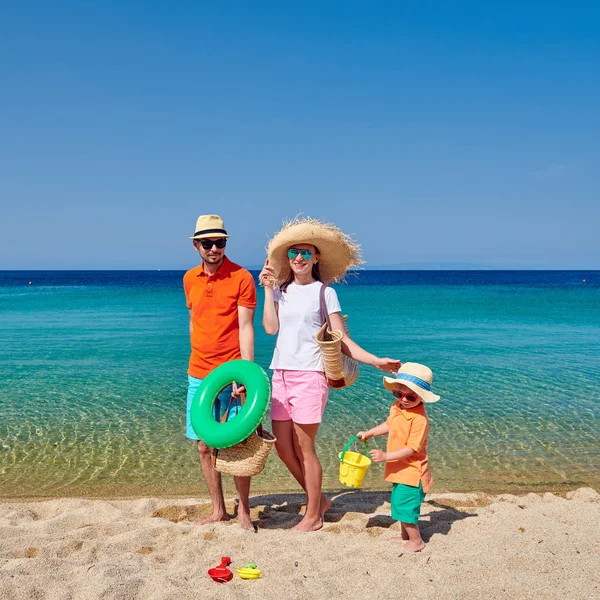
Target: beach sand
479 546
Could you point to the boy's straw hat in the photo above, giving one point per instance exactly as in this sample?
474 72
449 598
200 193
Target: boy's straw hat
416 377
209 226
338 252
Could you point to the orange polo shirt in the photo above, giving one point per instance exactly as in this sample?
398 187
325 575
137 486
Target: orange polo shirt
213 301
408 427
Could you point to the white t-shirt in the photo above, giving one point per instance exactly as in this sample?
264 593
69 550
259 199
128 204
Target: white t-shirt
299 320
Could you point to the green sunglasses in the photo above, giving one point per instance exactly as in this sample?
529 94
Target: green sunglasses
305 254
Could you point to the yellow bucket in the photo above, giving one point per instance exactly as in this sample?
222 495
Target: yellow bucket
353 465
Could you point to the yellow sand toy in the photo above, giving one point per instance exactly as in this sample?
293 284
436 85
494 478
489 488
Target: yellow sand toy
249 571
353 466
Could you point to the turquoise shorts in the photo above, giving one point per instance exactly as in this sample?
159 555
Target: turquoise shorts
406 502
219 407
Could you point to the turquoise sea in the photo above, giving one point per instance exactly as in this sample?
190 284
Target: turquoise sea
93 380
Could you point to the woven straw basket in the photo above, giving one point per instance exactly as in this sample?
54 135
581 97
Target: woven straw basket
340 370
247 458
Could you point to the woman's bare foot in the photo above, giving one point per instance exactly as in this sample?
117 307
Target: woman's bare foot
325 505
214 518
309 524
414 546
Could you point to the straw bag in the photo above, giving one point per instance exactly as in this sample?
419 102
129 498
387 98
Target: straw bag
247 458
340 370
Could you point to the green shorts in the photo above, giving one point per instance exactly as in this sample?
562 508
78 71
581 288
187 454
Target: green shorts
406 502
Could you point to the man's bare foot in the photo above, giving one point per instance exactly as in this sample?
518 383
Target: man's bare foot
246 522
325 505
214 518
414 546
309 524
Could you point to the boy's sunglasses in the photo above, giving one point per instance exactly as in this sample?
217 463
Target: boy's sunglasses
208 244
305 254
409 397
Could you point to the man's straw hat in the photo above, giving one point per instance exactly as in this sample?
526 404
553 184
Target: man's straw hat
416 377
209 226
338 252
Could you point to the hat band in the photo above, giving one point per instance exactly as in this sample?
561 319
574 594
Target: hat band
413 379
205 231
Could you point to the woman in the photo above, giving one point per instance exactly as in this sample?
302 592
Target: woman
302 257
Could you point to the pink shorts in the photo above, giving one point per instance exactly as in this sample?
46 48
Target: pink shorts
298 395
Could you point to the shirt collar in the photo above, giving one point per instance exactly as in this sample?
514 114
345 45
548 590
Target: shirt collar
222 271
408 413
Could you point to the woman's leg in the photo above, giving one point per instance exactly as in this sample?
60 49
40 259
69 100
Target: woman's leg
284 446
286 450
304 442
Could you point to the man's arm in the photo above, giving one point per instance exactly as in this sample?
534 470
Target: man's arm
191 324
246 323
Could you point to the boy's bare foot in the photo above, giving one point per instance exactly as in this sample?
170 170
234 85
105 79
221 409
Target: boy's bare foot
414 546
309 524
214 518
404 533
325 505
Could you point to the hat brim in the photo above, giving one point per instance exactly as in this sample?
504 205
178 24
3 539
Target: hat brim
209 235
337 251
391 382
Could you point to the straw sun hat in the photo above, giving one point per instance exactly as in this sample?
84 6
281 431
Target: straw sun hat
338 252
416 377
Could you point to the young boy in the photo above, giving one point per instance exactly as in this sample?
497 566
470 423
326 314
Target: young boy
406 458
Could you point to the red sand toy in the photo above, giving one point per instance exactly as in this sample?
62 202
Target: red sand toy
221 574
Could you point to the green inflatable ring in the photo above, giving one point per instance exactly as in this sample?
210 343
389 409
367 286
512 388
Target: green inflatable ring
236 430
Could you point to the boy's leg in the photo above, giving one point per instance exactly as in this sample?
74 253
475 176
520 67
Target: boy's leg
415 541
406 507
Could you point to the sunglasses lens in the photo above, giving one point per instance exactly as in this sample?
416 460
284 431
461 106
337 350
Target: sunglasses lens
207 245
305 254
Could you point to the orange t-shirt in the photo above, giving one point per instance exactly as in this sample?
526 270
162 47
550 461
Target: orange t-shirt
213 301
408 427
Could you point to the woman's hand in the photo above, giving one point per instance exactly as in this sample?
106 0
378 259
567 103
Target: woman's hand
267 276
364 436
378 455
387 364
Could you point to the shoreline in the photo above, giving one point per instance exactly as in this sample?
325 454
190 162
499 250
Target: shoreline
501 546
517 489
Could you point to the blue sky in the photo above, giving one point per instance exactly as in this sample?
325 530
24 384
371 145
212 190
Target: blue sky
435 132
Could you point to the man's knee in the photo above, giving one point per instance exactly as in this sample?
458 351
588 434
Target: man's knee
203 449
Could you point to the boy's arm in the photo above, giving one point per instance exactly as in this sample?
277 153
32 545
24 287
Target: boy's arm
374 432
381 456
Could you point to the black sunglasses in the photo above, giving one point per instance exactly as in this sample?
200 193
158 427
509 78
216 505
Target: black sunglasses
208 244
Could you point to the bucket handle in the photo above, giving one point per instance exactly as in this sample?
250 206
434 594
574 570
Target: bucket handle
350 442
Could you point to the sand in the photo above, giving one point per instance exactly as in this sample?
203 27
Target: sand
479 546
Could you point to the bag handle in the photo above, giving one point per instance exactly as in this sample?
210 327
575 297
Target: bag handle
350 442
234 402
323 307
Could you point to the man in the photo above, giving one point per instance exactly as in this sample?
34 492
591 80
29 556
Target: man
221 297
